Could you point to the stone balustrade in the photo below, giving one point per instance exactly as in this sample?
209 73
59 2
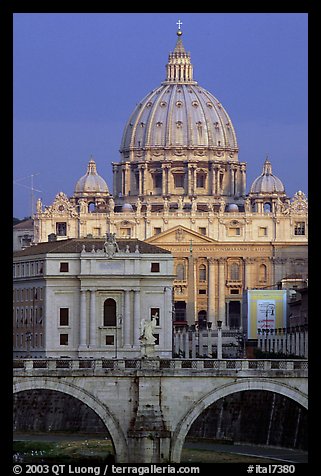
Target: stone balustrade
224 366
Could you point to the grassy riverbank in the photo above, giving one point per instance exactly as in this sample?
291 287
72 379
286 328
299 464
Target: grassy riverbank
95 451
85 451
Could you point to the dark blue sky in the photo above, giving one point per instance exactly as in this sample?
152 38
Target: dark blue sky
78 77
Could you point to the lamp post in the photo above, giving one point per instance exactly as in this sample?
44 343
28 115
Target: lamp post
219 339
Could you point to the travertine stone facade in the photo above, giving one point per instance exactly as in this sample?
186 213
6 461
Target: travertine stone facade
179 184
79 298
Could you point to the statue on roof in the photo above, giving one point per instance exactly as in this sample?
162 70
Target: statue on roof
111 246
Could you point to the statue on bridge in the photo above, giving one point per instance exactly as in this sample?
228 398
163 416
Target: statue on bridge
147 338
148 328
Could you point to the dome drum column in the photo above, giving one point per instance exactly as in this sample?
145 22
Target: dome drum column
243 179
165 179
211 187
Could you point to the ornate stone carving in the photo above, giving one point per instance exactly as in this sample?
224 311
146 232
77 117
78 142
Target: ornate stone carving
110 245
299 203
61 207
179 235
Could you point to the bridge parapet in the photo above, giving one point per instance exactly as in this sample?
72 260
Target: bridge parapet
263 367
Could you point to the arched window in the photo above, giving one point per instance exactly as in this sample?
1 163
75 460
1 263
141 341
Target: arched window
180 272
202 272
91 207
262 273
109 312
267 207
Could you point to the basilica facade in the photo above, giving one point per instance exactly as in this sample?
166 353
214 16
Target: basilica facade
179 185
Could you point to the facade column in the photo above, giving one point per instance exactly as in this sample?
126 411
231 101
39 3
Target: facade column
144 168
189 180
126 318
140 180
212 187
163 179
259 206
127 179
248 273
169 187
137 317
211 290
83 320
194 180
237 182
167 325
93 324
232 179
243 179
221 291
115 189
218 189
190 308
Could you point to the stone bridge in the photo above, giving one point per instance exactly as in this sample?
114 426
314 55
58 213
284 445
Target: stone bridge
149 405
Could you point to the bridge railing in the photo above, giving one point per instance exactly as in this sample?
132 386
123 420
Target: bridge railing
162 364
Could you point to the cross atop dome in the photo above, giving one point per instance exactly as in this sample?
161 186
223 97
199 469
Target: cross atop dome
179 31
179 67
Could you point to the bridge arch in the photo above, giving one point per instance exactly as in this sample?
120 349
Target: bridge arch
111 423
222 391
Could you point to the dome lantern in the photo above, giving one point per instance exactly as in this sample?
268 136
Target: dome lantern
179 67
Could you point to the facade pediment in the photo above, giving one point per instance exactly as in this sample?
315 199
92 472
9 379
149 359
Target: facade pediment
180 234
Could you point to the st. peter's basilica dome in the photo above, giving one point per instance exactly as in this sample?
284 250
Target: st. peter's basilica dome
179 113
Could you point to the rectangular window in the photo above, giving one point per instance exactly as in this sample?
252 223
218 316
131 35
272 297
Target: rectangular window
97 231
234 231
234 291
154 267
63 339
64 267
262 231
61 229
157 230
158 180
64 316
110 340
299 228
202 230
200 181
154 313
179 180
202 291
125 232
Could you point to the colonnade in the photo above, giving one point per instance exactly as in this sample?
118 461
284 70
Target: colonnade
129 313
217 285
127 321
229 178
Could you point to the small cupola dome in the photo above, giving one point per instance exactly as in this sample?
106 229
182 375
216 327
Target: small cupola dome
91 183
267 183
232 207
127 207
